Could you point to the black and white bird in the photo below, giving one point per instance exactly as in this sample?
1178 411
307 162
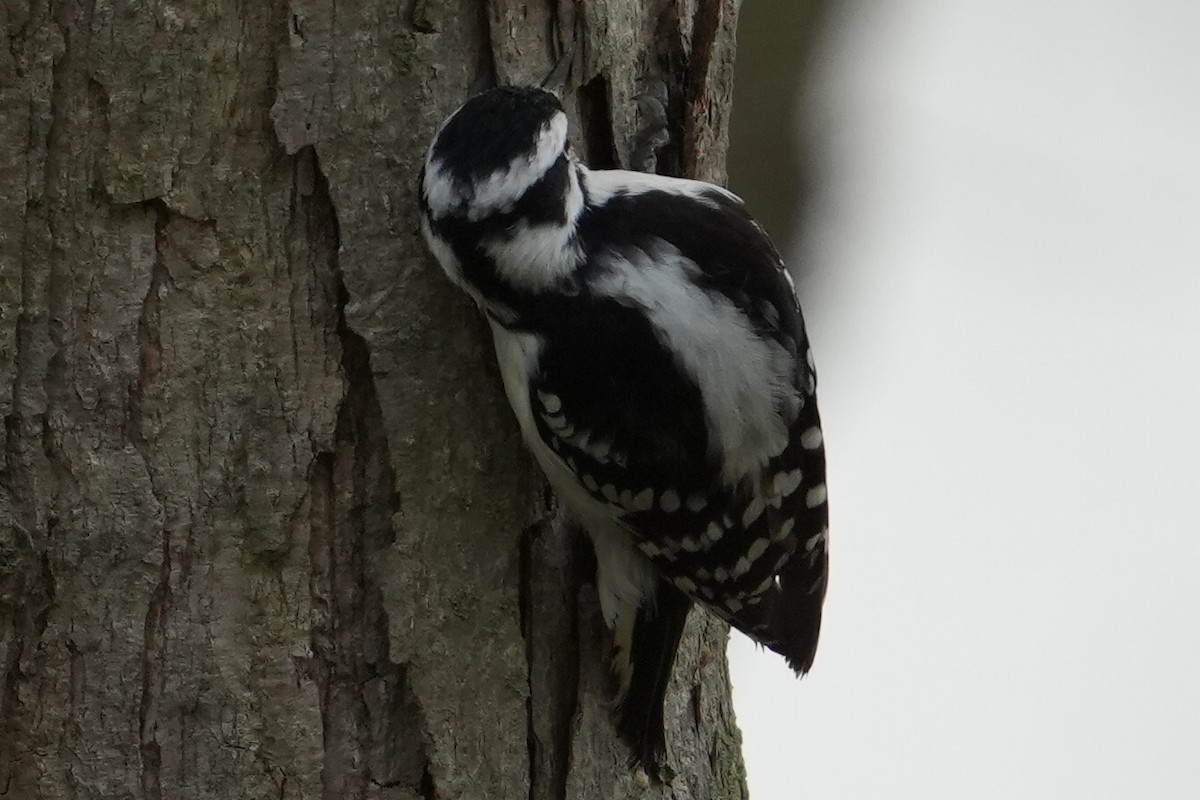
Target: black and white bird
654 353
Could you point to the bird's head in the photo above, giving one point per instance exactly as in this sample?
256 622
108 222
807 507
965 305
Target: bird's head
501 195
493 150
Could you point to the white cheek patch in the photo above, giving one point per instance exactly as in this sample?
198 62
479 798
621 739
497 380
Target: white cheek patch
537 257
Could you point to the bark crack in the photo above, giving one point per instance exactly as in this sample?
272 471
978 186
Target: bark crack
706 25
158 610
550 574
596 128
367 701
28 621
153 678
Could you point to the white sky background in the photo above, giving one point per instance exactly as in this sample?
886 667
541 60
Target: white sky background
1003 290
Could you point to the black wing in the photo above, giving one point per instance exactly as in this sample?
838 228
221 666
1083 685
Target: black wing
629 423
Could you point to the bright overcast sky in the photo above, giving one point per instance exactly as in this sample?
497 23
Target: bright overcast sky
1004 302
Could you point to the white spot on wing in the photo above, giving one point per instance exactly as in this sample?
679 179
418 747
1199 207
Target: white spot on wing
757 548
643 500
599 449
685 583
785 483
812 438
669 501
696 502
815 496
753 511
551 402
784 530
813 541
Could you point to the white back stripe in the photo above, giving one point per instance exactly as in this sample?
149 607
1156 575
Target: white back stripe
743 378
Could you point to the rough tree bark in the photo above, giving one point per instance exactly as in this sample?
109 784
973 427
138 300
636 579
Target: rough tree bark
266 525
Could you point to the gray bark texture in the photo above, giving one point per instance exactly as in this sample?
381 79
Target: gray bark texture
267 527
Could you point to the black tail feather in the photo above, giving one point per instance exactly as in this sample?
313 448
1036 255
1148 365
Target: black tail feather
795 623
656 635
796 632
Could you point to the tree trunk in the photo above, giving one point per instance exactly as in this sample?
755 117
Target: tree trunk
267 528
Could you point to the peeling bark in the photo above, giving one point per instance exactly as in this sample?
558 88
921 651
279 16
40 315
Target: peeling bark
267 528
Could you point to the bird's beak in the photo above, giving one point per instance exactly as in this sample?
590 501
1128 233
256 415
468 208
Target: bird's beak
556 81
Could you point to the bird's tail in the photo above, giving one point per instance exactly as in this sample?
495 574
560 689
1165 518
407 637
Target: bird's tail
794 623
787 616
643 664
